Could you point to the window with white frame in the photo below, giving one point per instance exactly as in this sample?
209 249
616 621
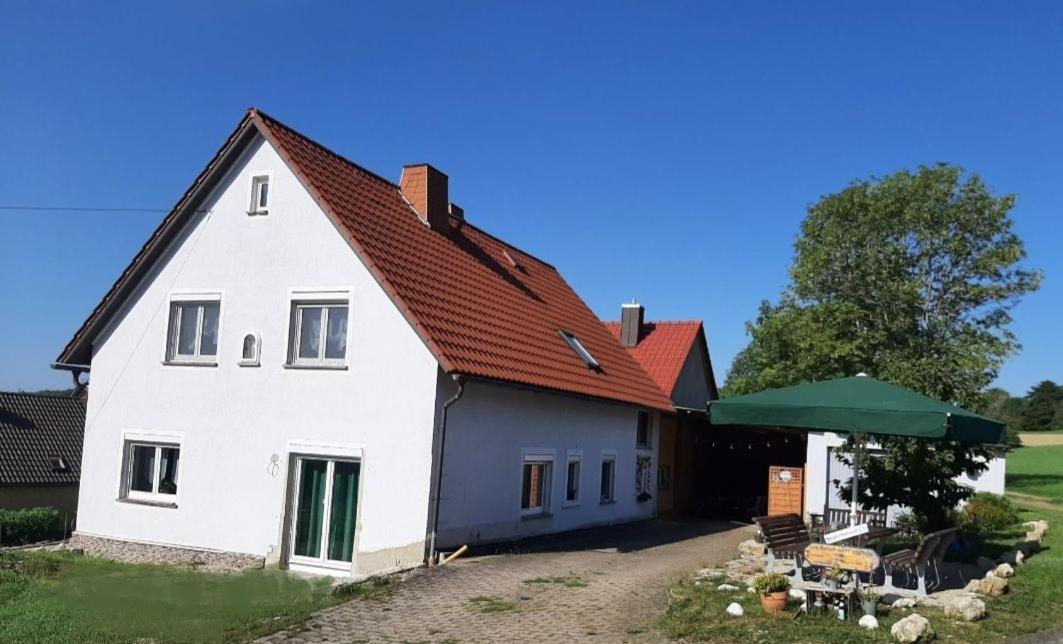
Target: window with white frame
259 195
643 430
250 350
572 479
193 331
151 471
535 486
318 334
608 480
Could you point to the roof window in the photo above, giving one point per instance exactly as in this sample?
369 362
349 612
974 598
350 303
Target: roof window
576 346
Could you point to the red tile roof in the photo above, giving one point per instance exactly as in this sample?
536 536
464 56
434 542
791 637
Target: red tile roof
662 349
478 313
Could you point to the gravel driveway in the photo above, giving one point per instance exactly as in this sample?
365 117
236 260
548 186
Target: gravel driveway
601 585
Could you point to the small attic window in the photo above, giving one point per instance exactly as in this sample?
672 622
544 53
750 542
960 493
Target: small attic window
58 464
576 346
259 195
250 350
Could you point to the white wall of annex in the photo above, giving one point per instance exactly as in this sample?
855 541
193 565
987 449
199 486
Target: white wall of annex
491 428
816 468
232 420
691 387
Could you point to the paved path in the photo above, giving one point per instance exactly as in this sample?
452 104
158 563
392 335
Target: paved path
627 571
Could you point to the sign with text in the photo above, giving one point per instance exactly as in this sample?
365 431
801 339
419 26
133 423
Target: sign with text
846 533
843 557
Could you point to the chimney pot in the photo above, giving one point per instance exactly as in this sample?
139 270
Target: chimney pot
426 189
631 316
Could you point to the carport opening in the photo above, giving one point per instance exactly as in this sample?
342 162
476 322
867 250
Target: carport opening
733 475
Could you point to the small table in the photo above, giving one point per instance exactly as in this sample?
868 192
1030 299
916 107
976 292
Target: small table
814 588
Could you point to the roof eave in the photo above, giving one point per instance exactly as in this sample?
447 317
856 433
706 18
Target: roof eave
78 350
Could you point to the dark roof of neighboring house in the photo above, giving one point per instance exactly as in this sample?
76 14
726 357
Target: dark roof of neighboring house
663 348
478 313
35 430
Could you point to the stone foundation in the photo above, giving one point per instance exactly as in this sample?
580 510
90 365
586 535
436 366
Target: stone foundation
150 553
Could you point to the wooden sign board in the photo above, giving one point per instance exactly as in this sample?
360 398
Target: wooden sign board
846 533
843 557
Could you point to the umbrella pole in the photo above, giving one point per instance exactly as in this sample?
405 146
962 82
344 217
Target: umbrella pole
858 441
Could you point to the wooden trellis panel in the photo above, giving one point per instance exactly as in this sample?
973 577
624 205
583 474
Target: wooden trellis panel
786 492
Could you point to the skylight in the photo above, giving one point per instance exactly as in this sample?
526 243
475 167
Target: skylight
584 355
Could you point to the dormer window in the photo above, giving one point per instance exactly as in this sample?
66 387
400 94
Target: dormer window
576 346
259 195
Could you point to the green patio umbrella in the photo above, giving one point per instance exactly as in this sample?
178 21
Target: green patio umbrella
859 405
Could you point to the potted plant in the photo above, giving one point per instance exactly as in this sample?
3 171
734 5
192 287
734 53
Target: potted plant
869 600
773 589
833 578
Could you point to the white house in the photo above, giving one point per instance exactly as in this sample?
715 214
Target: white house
282 368
823 467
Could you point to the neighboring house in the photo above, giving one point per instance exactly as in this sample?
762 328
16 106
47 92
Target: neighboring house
275 372
676 356
40 451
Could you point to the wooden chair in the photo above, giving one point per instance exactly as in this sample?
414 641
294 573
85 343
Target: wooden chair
785 537
926 554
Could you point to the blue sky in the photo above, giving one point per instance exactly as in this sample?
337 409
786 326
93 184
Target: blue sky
664 151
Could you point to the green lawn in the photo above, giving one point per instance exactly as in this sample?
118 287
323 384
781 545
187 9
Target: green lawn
1037 471
51 597
1035 603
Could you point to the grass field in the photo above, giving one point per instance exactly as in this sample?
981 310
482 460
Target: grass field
52 597
1035 603
1037 471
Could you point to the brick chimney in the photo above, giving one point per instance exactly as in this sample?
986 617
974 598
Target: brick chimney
426 189
631 323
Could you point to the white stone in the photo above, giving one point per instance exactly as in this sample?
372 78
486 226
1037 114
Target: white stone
726 587
914 628
992 585
751 590
750 548
1014 557
1004 571
904 602
735 609
797 594
870 622
965 608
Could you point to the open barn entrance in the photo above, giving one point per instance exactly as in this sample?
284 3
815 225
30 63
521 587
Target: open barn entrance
739 470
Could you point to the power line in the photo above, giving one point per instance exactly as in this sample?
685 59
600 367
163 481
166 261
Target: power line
81 209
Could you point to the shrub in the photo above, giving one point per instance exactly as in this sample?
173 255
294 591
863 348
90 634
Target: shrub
29 525
988 512
908 524
770 583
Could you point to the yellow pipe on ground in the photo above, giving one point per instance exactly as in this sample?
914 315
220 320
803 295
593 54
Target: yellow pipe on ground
454 555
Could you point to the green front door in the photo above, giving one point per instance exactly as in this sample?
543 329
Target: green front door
325 511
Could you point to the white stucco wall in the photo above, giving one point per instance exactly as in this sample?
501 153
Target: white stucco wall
816 484
230 419
491 428
691 387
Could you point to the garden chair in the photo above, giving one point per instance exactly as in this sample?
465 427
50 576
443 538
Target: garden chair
785 537
937 558
916 561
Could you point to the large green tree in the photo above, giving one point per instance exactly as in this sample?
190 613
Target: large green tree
1042 403
909 278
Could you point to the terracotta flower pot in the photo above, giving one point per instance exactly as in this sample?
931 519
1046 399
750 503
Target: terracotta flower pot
774 602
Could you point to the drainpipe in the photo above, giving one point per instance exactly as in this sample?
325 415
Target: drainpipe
432 554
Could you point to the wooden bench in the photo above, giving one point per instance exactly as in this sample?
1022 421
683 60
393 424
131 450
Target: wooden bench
929 552
785 537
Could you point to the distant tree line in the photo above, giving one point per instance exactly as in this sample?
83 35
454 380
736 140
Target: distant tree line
1041 409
